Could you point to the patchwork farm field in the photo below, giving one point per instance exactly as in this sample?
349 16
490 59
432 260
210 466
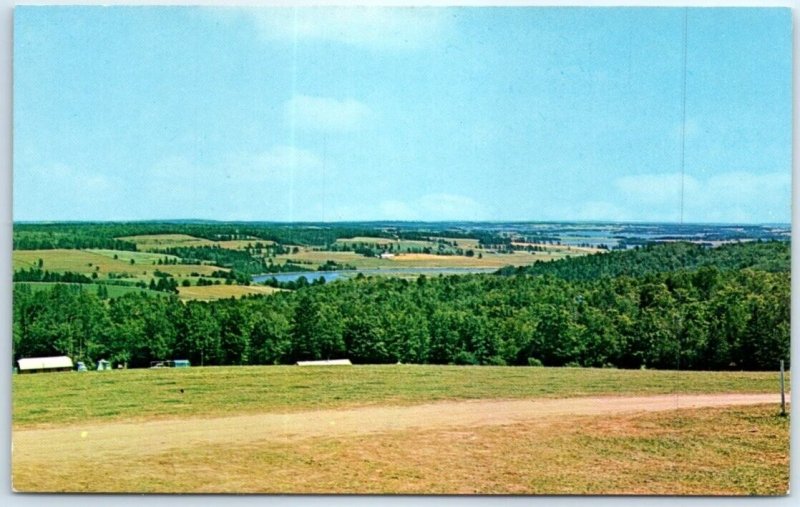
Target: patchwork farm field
400 429
161 241
103 262
421 260
146 266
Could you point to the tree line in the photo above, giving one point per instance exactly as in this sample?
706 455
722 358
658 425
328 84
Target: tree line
704 318
655 258
77 235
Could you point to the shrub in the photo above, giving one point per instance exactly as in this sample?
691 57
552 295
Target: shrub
465 357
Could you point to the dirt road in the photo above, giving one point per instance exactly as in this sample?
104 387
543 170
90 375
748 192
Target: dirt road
90 440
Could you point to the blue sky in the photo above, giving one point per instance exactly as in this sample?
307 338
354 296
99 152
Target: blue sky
406 114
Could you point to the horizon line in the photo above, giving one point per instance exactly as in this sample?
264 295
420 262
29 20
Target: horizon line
384 221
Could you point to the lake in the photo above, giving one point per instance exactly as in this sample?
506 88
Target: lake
330 276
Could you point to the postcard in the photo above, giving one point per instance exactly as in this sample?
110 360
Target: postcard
401 250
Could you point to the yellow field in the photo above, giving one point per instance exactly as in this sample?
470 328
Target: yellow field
319 258
489 260
138 257
561 248
366 239
242 244
160 241
461 242
213 292
103 263
78 261
402 243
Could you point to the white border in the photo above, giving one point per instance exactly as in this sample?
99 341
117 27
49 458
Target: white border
9 498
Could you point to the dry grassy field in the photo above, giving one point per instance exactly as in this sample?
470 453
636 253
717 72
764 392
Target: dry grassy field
213 292
411 260
160 241
103 263
400 429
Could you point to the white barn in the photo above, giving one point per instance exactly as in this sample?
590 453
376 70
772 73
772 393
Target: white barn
328 362
45 364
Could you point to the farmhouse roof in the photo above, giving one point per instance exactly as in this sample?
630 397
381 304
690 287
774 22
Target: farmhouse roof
44 363
329 362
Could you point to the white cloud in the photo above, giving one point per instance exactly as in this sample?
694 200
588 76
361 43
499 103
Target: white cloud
324 113
735 196
366 27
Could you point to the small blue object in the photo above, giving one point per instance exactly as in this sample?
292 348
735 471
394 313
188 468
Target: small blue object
81 366
182 363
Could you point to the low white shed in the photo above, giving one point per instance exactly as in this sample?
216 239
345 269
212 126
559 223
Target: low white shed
45 364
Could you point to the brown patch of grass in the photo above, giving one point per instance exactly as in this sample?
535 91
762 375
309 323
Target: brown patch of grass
731 451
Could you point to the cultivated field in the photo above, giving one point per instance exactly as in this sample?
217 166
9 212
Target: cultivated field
103 263
161 241
212 292
418 260
149 242
400 429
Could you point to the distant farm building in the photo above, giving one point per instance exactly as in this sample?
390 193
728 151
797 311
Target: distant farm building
177 363
103 365
387 255
45 364
327 362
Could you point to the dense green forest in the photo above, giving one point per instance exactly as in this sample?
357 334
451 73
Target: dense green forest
709 309
658 258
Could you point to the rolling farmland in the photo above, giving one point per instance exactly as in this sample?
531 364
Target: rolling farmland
595 362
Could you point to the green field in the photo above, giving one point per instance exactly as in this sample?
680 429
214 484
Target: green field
145 394
103 263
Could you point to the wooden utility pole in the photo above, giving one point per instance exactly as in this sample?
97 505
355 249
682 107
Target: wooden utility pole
783 396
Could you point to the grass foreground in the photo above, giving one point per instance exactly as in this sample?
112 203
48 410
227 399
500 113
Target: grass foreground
734 450
731 451
62 398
